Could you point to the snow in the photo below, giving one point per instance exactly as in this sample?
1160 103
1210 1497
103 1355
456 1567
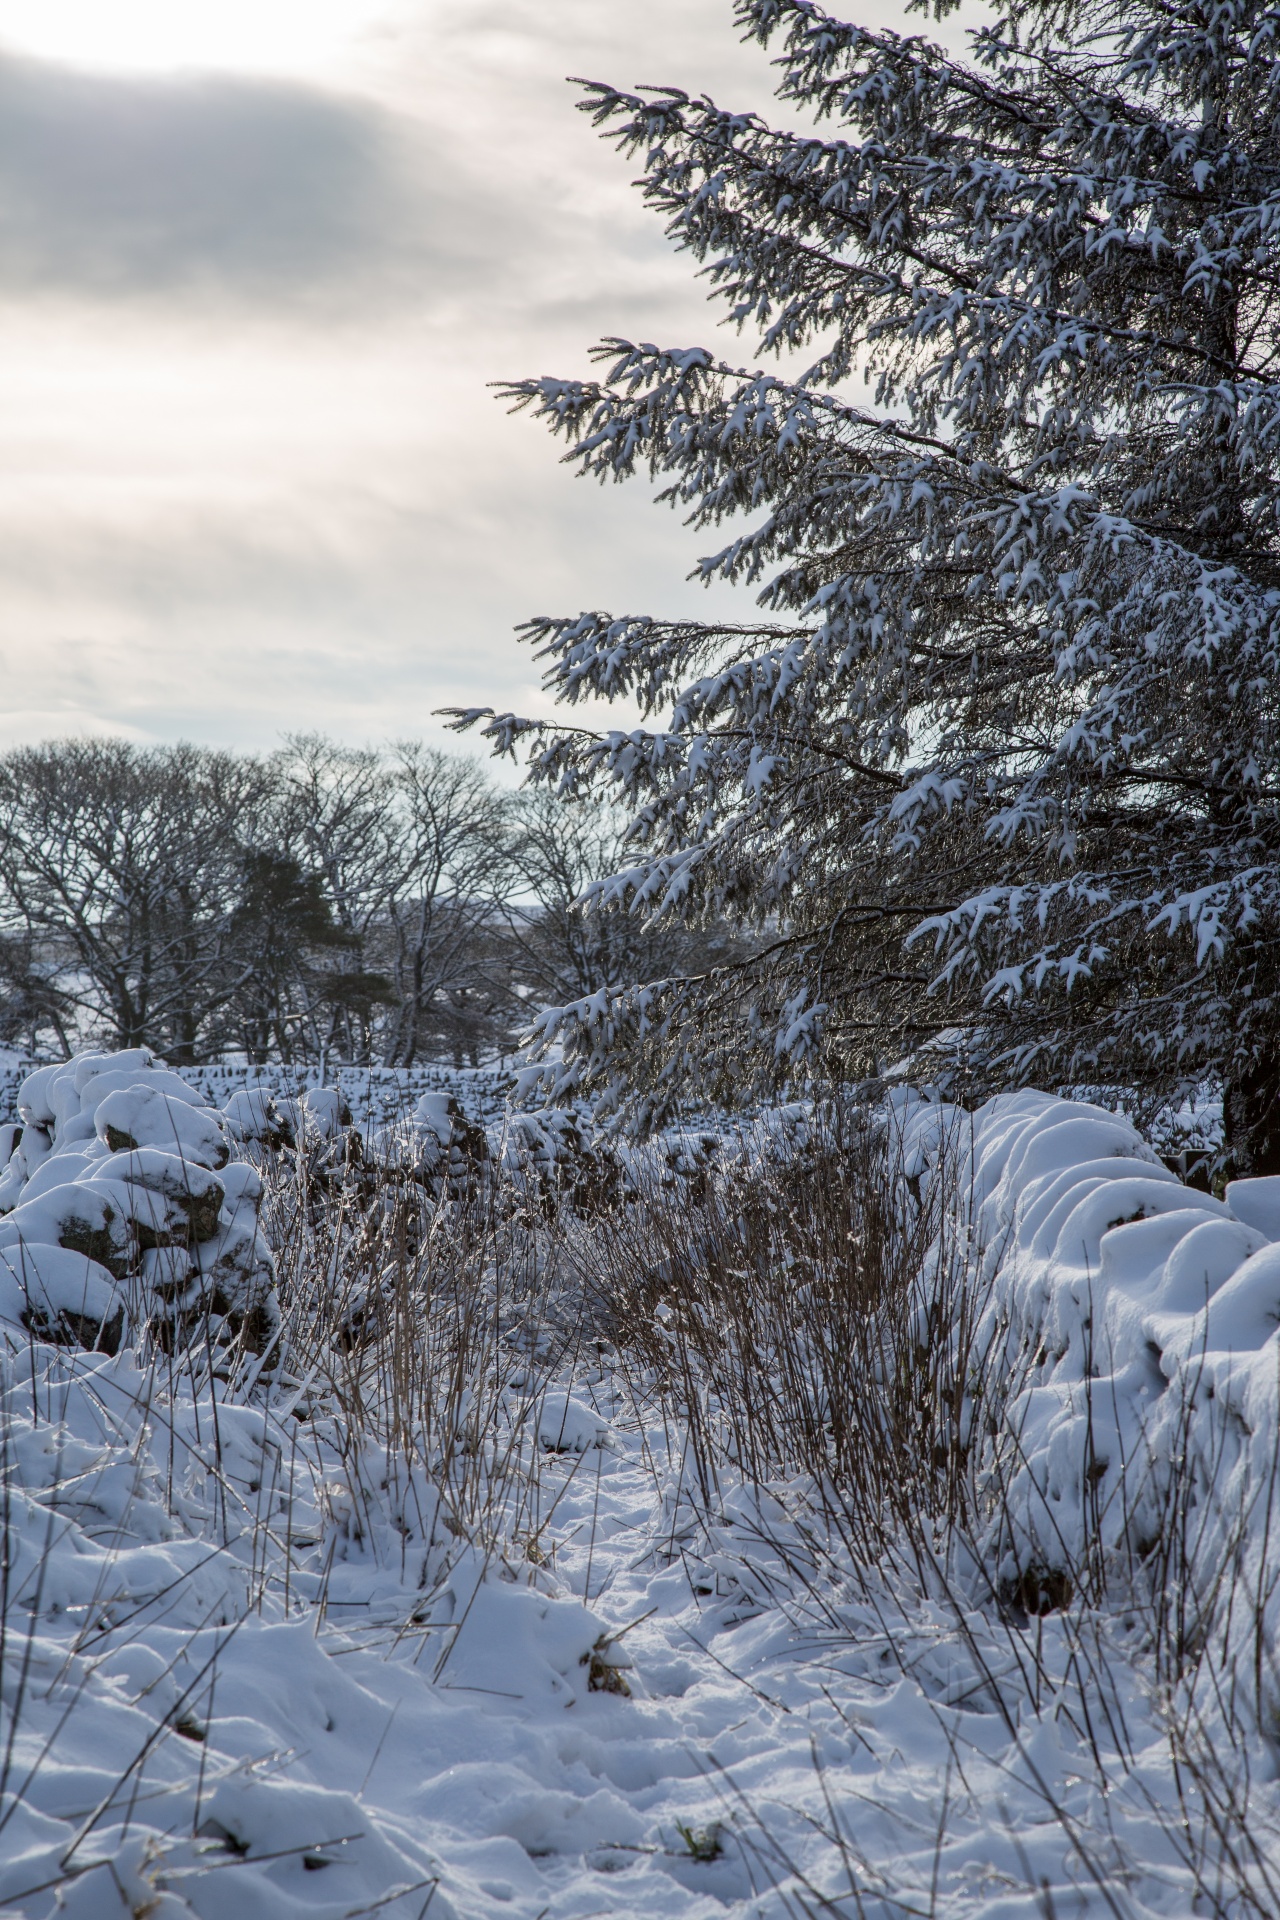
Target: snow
1257 1203
251 1763
41 1285
258 1113
568 1425
78 1214
373 1095
253 1667
143 1116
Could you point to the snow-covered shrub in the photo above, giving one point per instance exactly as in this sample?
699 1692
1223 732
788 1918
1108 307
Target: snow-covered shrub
122 1210
560 1158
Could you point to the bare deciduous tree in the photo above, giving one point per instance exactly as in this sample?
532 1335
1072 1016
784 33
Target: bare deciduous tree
455 868
127 862
572 932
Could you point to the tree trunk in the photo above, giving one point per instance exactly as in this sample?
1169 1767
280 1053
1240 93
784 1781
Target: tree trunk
1251 1117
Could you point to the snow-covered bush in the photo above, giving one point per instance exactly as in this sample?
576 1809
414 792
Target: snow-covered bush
558 1155
122 1210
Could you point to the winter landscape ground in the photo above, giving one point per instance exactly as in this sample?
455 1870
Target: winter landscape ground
847 1516
769 1461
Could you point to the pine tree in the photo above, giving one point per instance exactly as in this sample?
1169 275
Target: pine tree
995 776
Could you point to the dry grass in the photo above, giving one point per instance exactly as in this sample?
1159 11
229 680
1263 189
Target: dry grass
807 1326
804 1314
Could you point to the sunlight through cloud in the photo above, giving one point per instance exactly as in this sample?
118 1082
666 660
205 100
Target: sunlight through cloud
168 35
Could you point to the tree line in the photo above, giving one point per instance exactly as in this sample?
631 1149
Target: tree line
321 902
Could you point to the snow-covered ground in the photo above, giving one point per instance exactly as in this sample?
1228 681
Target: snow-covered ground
259 1661
189 1739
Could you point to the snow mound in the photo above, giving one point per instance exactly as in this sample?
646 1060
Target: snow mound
568 1425
141 1116
325 1113
119 1206
260 1116
60 1296
140 1608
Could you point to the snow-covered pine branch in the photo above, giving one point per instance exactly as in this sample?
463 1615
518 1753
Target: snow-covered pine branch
1004 775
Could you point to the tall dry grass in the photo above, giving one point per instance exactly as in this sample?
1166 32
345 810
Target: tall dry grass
808 1324
804 1312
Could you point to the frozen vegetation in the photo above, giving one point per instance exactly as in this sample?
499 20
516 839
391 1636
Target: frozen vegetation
858 1514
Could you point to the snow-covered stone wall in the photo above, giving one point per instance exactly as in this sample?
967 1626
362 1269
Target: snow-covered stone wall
1139 1321
121 1204
375 1096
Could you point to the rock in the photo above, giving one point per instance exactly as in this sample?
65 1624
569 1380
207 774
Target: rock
255 1114
60 1296
141 1116
194 1190
112 1171
77 1216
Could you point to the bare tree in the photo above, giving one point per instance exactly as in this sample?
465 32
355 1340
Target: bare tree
567 940
128 862
34 1010
441 911
324 902
343 823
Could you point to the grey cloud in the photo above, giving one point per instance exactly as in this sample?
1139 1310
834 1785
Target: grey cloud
327 519
116 186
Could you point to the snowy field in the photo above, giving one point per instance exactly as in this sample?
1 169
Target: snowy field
394 1562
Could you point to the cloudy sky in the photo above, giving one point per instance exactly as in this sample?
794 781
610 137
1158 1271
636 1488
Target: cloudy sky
258 261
